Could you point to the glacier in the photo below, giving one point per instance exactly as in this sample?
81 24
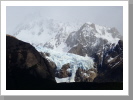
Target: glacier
75 61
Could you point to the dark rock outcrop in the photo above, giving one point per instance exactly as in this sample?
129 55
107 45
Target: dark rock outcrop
63 72
114 74
25 67
83 75
51 63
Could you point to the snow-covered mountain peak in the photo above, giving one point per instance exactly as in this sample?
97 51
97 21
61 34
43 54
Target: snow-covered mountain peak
39 31
99 28
91 38
62 36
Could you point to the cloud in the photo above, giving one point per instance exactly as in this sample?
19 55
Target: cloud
110 16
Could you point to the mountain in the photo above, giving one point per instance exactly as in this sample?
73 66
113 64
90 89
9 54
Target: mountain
25 67
66 36
82 52
90 38
103 44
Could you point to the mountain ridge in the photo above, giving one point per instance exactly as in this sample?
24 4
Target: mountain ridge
57 35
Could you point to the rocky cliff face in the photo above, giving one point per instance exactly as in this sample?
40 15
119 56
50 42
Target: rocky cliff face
111 68
25 67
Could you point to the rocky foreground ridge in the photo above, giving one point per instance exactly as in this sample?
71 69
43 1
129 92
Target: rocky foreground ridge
25 67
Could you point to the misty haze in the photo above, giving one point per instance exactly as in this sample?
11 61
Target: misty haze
64 47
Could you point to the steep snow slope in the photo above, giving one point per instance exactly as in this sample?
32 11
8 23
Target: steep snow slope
40 31
75 62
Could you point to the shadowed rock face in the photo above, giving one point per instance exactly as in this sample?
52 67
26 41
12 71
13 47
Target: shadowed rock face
25 67
112 65
115 74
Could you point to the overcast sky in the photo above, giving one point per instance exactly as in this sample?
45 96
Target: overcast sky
103 15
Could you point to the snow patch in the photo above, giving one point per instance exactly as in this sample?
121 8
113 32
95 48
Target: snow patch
110 59
60 80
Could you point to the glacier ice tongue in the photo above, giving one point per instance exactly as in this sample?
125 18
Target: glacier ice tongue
75 61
